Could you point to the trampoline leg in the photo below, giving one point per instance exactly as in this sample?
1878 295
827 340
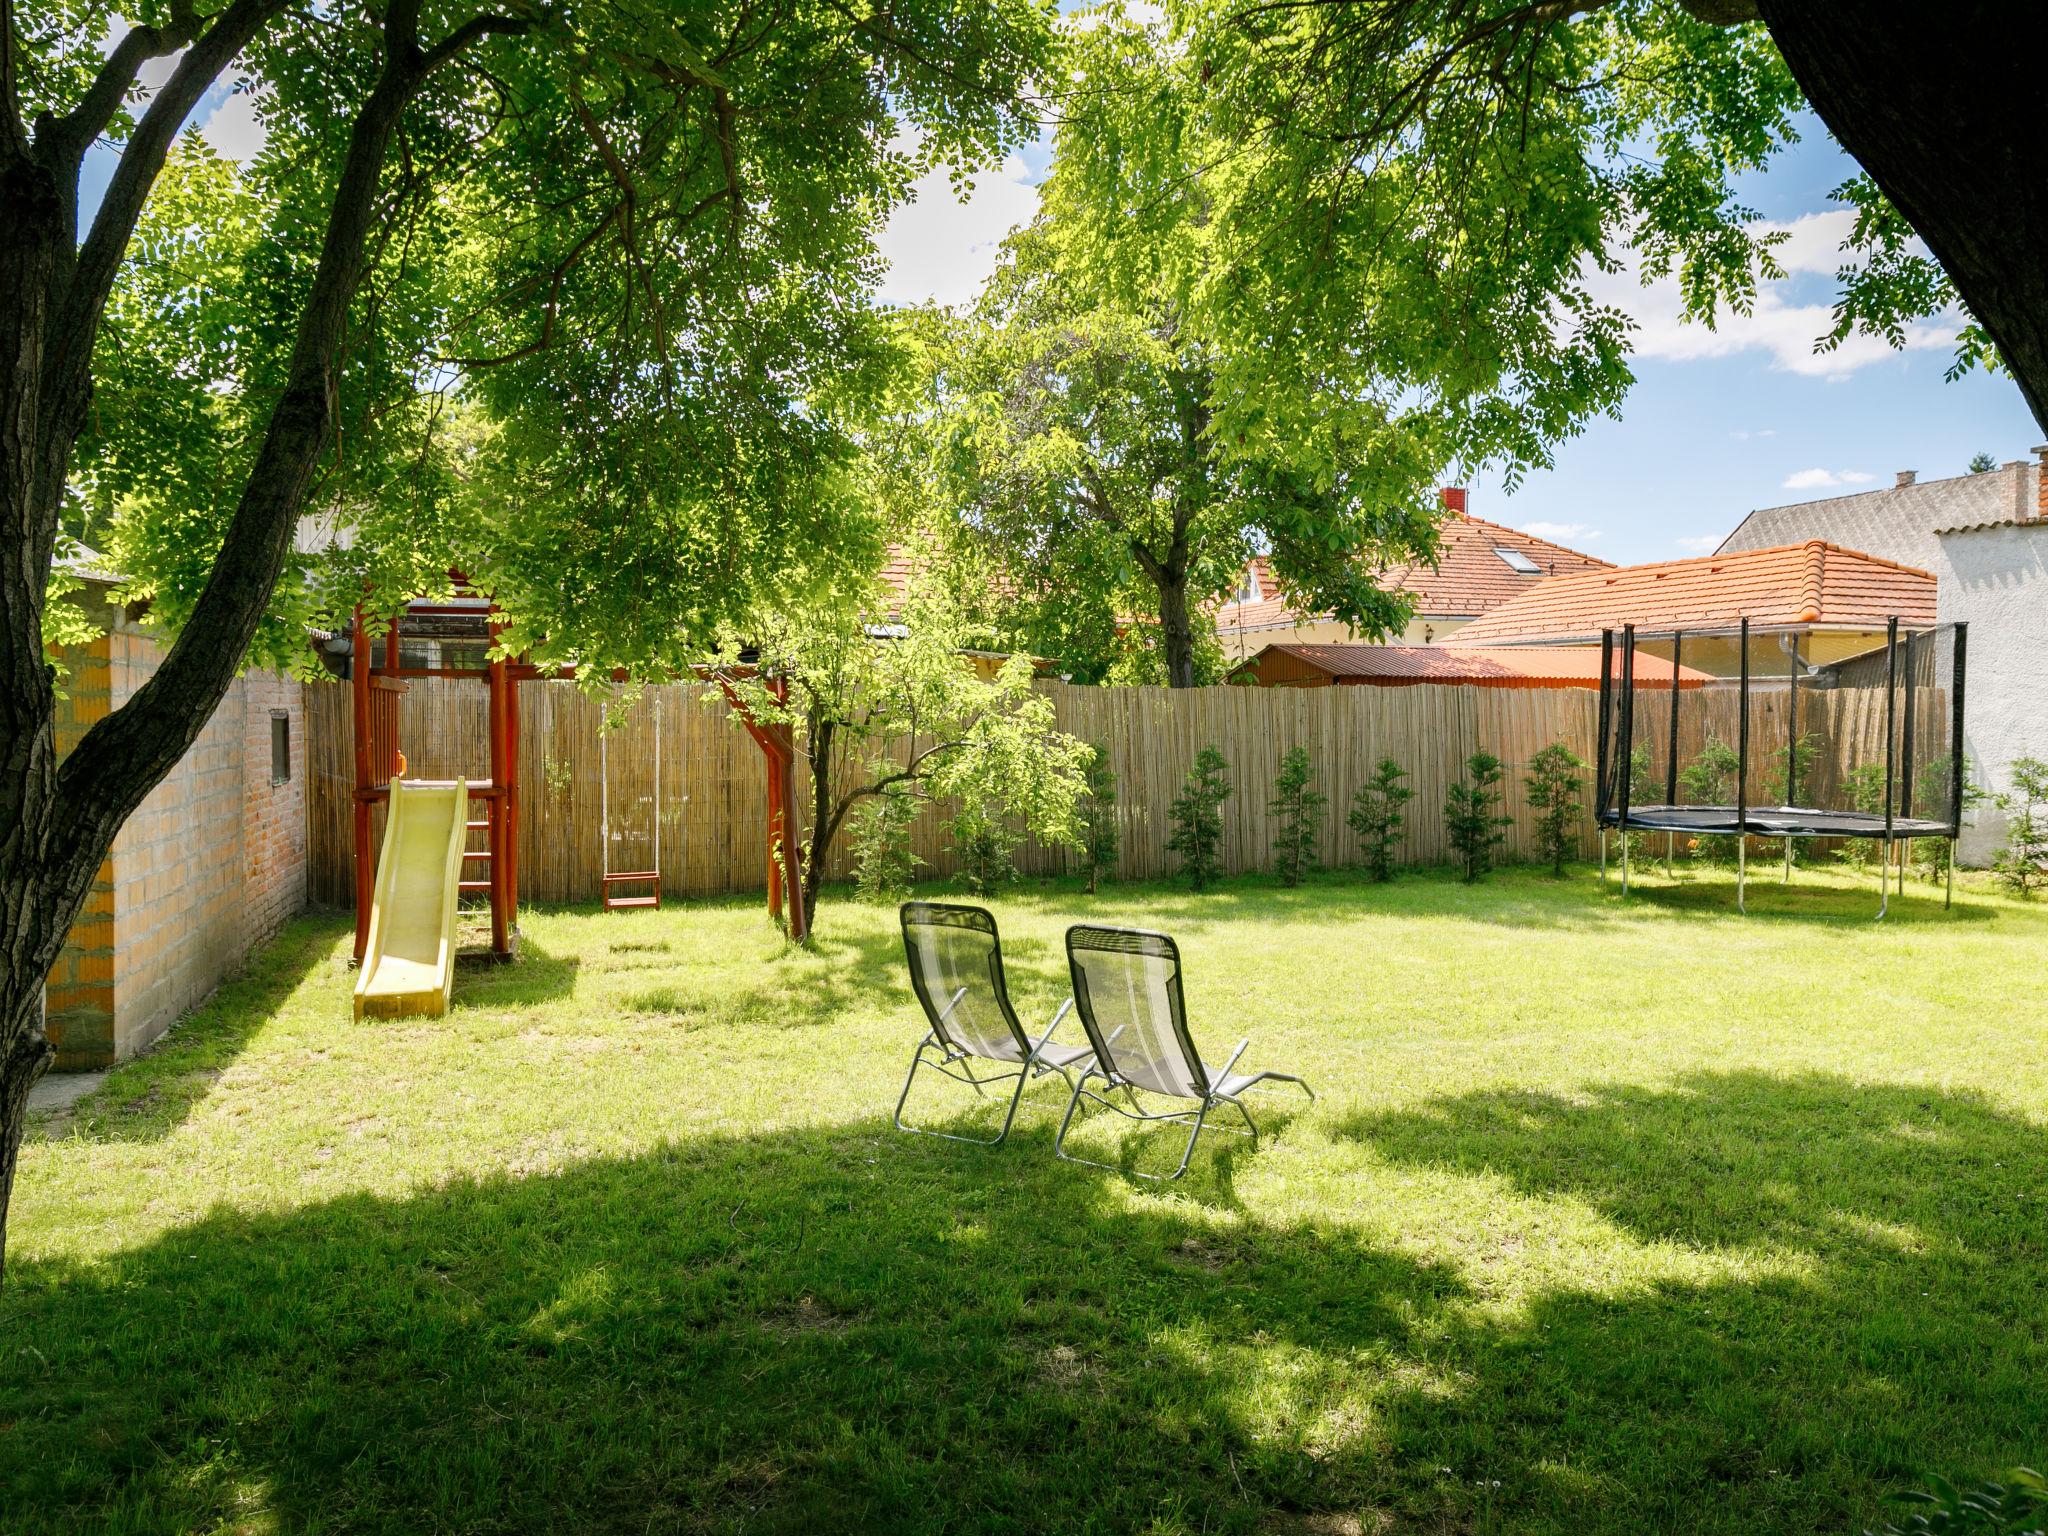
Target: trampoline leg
1670 853
1603 855
1624 861
1788 861
1884 890
1949 896
1905 858
1741 873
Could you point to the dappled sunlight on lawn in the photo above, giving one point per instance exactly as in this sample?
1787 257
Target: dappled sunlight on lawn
1607 1218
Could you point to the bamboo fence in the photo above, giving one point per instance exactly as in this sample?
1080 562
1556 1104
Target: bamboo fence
710 797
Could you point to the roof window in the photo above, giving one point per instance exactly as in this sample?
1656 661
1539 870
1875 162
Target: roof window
1518 562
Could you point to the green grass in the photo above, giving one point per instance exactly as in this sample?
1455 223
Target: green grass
1610 1217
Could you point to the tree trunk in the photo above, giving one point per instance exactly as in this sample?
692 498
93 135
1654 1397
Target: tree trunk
1946 108
58 822
820 732
1177 631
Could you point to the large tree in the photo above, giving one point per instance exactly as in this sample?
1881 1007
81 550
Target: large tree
1644 111
559 290
1153 388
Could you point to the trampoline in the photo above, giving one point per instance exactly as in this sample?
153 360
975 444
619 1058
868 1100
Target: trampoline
1815 735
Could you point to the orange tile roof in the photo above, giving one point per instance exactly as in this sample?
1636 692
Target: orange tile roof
1468 579
1815 584
1399 666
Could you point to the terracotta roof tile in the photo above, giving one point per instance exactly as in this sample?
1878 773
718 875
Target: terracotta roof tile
1468 579
1814 583
1398 666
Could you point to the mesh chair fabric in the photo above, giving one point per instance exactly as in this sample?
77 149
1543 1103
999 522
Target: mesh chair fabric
1127 991
954 953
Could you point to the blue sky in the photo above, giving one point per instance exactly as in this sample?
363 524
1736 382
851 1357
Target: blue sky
1717 423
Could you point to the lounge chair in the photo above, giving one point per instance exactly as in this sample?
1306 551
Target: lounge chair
1127 992
956 970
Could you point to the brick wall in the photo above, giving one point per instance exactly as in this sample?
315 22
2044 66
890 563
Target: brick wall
208 868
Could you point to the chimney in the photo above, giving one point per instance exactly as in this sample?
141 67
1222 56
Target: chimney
1905 478
2041 484
1454 499
2022 490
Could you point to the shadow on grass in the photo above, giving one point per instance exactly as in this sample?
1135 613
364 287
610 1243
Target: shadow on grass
149 1098
846 1329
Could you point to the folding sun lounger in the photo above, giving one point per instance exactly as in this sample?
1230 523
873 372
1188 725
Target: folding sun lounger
1127 991
956 970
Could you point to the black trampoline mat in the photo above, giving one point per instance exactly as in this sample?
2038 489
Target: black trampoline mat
1772 821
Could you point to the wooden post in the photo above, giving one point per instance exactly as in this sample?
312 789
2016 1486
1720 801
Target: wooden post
494 815
359 697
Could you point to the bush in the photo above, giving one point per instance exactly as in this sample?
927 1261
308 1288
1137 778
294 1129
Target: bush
983 843
1299 810
1197 817
1865 784
1556 779
1709 779
1472 815
2023 862
1931 787
1376 816
1099 836
883 864
2016 1507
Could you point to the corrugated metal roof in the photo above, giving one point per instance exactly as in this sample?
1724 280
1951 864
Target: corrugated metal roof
1515 667
1815 584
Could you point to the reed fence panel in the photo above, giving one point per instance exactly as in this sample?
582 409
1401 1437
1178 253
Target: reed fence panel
578 779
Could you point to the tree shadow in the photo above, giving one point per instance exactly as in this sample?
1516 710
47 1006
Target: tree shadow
848 1329
151 1095
826 1330
1897 1236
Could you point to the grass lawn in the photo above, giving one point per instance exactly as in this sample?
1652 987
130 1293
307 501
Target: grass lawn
1609 1218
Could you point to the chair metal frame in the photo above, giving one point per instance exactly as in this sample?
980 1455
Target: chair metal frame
953 1059
1209 1094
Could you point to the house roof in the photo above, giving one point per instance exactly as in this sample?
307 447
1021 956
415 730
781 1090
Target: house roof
1397 666
1469 578
1899 522
1813 585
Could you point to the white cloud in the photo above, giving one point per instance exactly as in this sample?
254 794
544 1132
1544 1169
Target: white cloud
233 130
1777 324
942 250
1701 544
1823 479
1559 533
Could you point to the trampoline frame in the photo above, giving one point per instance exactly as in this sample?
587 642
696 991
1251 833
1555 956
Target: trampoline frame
1614 782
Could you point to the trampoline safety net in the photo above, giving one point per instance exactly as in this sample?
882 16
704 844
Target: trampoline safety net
1781 733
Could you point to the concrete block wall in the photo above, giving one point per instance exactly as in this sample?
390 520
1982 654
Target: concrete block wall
210 866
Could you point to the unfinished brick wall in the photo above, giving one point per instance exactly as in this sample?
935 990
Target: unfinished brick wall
209 867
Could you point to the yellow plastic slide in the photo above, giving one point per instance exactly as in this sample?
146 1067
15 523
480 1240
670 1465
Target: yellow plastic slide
409 964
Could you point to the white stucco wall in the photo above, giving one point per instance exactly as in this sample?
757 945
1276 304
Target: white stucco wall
1995 579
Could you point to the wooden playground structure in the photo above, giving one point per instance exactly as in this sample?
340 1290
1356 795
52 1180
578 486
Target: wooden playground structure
457 638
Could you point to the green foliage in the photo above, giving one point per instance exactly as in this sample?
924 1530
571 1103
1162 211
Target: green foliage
1472 815
1376 816
1555 781
2023 862
1196 814
1865 786
1932 787
2016 1507
1710 779
870 713
1100 834
985 845
1299 811
1780 786
615 335
883 863
1982 463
